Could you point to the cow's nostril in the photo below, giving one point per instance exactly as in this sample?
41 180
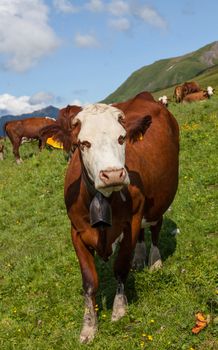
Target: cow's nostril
104 176
122 173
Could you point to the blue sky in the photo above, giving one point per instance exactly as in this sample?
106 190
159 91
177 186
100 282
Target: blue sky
63 52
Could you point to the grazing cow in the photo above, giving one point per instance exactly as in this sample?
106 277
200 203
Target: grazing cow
28 128
163 100
186 88
210 91
123 173
199 96
190 87
178 93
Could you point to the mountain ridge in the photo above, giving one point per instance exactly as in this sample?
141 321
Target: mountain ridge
167 72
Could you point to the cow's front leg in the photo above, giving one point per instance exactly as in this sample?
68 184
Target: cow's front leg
155 261
90 285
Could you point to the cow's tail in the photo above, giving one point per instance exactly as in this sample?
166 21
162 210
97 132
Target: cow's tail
5 129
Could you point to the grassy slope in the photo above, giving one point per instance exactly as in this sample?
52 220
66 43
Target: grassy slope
41 300
208 77
162 74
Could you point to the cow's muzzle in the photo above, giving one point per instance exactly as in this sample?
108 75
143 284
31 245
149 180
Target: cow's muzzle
113 177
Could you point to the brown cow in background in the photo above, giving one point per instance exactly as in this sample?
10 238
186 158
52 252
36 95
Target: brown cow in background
28 128
199 96
186 88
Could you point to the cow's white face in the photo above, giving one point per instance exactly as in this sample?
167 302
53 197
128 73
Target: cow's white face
210 90
163 100
102 142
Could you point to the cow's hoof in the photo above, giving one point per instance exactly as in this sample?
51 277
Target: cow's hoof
139 259
19 161
119 307
87 334
90 326
156 266
155 261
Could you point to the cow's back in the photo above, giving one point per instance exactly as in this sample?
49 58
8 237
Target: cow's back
29 127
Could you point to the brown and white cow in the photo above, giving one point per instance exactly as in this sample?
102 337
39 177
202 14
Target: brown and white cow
124 172
164 100
28 128
186 88
178 93
199 96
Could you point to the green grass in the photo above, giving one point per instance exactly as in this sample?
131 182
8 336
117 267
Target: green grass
41 302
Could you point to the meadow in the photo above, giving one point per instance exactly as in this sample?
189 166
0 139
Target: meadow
41 300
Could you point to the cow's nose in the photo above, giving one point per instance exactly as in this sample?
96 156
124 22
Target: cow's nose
113 177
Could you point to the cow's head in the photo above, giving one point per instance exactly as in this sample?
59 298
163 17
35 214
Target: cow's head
100 134
210 91
163 100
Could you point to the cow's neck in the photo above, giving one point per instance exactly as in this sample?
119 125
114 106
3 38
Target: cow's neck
89 183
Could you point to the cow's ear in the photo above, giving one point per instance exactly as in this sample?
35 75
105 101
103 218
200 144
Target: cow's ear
76 126
137 128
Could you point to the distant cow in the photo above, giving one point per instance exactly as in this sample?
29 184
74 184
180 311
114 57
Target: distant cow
124 172
199 96
28 128
178 94
163 100
186 88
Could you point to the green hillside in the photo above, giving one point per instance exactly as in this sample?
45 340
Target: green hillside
208 77
169 72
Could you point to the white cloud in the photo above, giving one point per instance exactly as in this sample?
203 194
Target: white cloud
65 6
41 97
95 5
118 7
76 102
121 24
10 104
25 33
150 16
86 41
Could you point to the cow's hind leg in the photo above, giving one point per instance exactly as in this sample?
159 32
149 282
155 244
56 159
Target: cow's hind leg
90 285
120 302
122 267
154 261
16 145
140 255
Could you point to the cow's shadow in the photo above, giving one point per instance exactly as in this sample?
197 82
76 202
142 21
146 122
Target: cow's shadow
107 282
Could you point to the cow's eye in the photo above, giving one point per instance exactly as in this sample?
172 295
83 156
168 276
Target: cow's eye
121 139
84 144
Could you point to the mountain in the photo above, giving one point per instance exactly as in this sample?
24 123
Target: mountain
49 111
168 72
